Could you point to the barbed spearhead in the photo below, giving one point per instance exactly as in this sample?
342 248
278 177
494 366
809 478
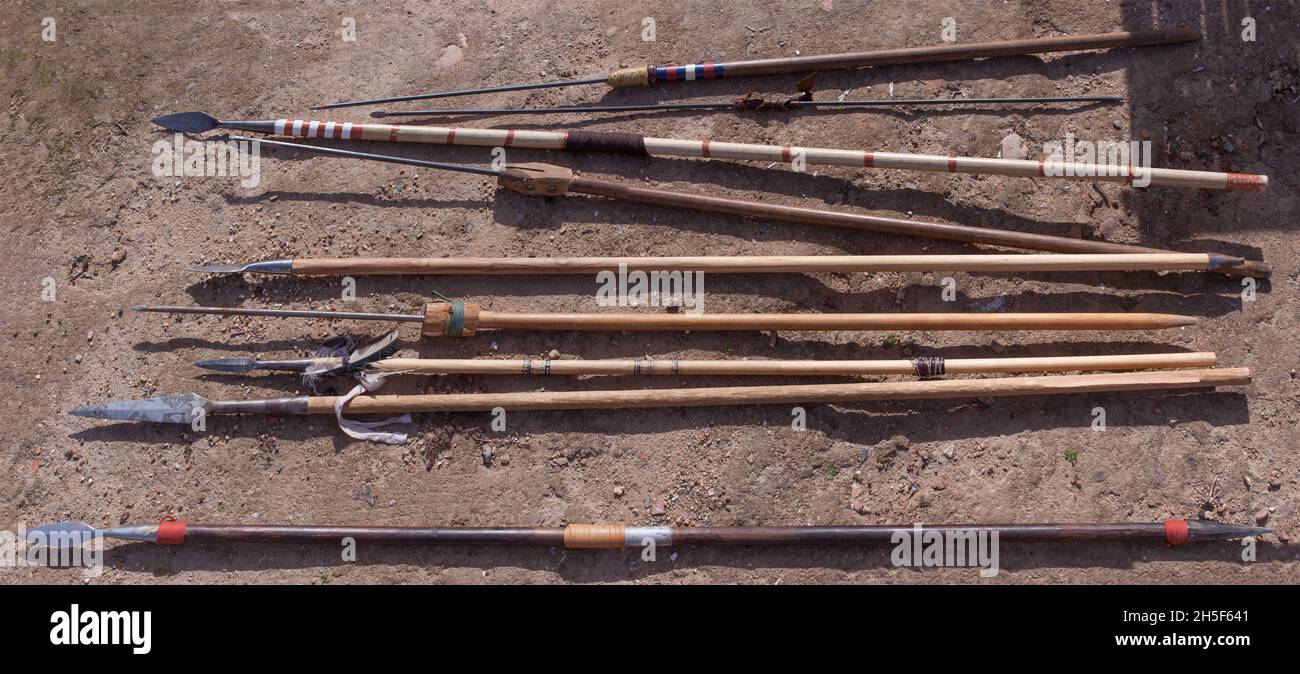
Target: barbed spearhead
179 408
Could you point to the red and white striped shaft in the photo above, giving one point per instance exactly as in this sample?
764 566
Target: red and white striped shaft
560 140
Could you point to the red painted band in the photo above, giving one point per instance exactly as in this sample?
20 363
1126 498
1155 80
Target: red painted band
704 147
952 164
338 129
1176 531
451 136
510 137
1246 182
869 159
392 135
170 532
785 153
1042 168
1128 180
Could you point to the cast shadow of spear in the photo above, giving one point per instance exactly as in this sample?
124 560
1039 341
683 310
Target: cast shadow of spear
1222 295
807 294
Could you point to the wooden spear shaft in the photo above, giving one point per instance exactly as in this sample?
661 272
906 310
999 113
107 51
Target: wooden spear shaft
620 536
464 319
506 266
775 395
647 75
634 144
678 367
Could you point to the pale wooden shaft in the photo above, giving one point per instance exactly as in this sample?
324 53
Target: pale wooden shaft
752 264
678 367
802 394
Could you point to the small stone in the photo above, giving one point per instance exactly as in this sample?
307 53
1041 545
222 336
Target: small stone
553 354
950 452
1117 124
997 347
560 461
1012 146
749 458
863 453
1245 479
657 509
1261 516
1274 485
618 491
1228 146
76 358
487 453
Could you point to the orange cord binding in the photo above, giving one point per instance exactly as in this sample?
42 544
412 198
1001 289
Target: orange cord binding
1176 531
170 531
594 536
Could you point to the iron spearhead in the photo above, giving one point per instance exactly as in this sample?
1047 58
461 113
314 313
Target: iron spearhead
64 535
238 365
263 267
1206 530
179 408
187 122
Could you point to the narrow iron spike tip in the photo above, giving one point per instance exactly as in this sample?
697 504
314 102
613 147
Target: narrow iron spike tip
187 122
463 92
304 147
239 365
1206 530
263 267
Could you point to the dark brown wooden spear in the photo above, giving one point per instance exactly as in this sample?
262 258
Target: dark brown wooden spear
646 75
619 536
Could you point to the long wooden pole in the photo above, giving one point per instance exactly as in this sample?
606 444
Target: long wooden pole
784 322
774 395
647 75
633 144
464 319
683 367
620 536
757 264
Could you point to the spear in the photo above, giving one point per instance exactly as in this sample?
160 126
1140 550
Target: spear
638 145
925 366
457 318
551 181
183 408
618 536
750 103
648 75
748 264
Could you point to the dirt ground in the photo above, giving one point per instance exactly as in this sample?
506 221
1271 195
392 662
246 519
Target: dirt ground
81 204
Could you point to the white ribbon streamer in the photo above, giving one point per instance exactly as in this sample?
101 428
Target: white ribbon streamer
362 430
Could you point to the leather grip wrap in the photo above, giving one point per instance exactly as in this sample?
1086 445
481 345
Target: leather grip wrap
594 536
605 141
